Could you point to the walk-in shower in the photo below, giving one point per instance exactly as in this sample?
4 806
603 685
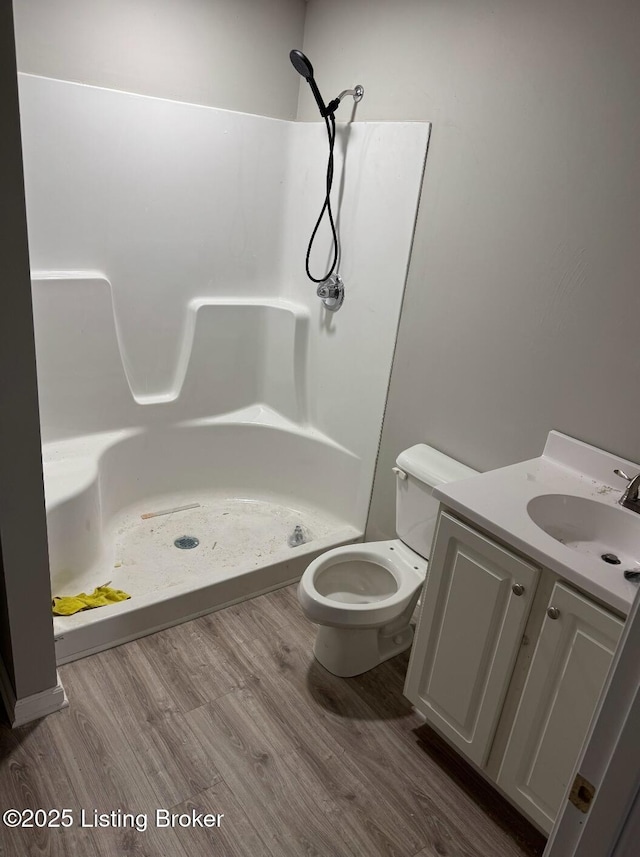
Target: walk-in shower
182 359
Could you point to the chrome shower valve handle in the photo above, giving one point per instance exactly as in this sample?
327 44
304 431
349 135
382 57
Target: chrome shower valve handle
331 292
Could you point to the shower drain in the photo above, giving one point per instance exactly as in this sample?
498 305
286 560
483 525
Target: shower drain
185 543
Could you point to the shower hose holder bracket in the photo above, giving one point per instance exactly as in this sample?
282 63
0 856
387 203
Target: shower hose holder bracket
331 293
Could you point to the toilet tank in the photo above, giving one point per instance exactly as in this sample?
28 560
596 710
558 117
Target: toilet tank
419 470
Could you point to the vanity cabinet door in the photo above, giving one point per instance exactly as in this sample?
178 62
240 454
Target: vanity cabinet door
475 604
566 676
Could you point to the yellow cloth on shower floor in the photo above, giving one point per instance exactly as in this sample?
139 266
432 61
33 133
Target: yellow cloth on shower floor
67 605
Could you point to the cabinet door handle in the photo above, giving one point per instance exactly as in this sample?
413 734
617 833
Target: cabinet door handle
553 613
517 589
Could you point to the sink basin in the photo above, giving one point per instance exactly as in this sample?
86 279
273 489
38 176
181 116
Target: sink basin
589 527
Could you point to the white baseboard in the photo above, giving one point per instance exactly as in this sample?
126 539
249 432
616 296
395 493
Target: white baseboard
22 711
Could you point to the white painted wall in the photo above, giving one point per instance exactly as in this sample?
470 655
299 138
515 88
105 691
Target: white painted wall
222 53
522 307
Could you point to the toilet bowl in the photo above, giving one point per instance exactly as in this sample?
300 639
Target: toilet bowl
362 596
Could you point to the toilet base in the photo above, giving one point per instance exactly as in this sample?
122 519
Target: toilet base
347 652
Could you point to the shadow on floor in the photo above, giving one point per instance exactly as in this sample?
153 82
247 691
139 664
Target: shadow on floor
488 799
374 695
378 695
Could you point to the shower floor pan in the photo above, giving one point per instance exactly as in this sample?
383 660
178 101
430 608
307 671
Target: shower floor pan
99 489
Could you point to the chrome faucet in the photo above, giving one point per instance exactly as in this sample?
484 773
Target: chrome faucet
630 498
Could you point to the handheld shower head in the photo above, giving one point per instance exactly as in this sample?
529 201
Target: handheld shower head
304 67
301 64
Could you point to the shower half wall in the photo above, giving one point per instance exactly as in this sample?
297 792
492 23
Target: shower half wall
182 354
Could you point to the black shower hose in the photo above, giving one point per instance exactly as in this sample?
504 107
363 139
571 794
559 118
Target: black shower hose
330 122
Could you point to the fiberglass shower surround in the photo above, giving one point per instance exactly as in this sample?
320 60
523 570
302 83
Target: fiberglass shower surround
182 360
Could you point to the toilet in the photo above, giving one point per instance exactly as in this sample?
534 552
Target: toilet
362 596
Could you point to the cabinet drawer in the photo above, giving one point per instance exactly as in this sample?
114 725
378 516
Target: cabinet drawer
475 604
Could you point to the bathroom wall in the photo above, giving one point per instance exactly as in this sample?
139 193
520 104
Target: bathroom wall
220 52
522 301
27 660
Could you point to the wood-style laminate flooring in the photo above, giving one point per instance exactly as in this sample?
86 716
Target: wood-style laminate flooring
230 713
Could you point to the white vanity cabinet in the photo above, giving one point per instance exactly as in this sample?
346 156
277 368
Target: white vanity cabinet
478 604
567 673
475 604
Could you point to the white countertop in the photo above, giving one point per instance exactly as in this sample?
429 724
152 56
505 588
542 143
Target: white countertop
497 502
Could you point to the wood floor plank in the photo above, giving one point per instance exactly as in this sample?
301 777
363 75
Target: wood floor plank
271 787
378 803
147 726
377 750
107 778
121 685
173 760
258 617
378 816
452 770
286 612
199 661
311 764
33 778
368 818
237 835
173 654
